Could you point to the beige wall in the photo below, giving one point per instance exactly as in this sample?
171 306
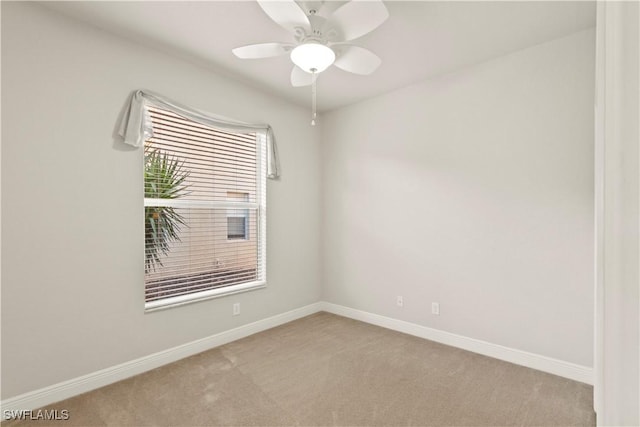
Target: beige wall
72 202
475 190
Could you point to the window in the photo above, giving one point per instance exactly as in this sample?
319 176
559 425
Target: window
237 219
204 199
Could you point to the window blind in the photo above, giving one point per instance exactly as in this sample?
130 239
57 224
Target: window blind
196 178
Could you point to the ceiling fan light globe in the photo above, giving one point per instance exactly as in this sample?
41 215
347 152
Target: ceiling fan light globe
313 57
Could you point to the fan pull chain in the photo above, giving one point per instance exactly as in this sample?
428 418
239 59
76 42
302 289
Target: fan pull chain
314 114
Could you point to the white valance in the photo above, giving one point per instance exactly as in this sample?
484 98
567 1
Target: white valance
135 127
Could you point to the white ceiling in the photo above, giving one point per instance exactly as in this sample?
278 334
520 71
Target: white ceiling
421 39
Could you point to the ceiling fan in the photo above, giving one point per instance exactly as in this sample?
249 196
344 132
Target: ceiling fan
321 37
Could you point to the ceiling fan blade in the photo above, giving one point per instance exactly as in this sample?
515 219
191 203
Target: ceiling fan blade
357 18
287 14
299 77
356 59
262 50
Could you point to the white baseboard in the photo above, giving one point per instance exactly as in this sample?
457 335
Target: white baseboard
530 360
64 390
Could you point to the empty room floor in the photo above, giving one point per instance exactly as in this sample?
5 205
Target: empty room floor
329 370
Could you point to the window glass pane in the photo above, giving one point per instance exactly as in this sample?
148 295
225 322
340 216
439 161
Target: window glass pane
236 227
203 258
218 162
203 196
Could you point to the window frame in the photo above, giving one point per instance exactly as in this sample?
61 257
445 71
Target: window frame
260 208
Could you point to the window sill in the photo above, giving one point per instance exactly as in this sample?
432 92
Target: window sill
202 296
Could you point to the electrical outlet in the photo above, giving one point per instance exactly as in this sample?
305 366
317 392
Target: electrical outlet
236 309
399 301
435 308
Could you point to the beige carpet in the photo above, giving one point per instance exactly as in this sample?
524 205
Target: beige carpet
329 370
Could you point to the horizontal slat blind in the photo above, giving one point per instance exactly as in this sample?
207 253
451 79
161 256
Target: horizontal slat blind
204 197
